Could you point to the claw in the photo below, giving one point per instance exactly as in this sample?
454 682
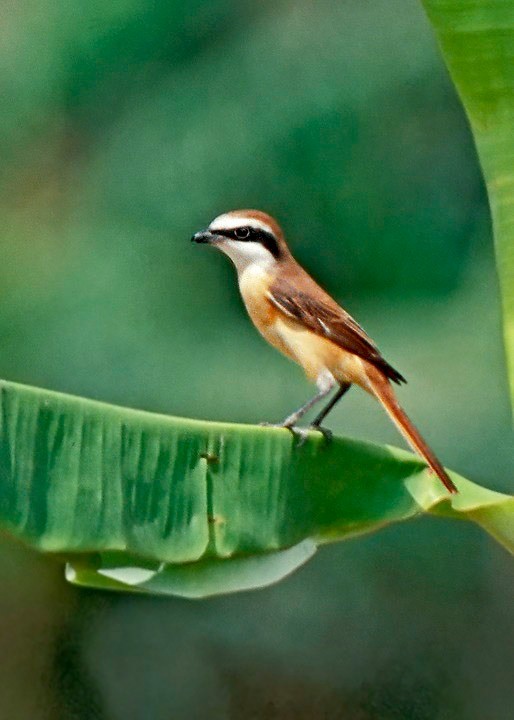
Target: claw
327 434
300 433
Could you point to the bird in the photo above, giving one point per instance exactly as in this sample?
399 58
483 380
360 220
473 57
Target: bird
296 316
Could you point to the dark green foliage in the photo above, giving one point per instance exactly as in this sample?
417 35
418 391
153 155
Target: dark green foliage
125 127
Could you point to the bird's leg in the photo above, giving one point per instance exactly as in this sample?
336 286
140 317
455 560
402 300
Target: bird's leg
316 423
292 419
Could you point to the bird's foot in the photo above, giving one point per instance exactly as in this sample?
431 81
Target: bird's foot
300 433
327 434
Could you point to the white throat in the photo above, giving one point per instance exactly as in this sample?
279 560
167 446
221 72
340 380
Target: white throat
247 255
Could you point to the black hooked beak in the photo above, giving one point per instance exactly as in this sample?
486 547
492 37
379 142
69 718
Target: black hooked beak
204 236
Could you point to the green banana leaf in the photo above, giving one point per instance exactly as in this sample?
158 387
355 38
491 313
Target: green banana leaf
150 503
477 41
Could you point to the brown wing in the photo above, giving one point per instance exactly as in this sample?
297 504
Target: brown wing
324 317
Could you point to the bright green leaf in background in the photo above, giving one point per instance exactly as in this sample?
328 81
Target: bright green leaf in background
166 505
127 126
133 499
477 40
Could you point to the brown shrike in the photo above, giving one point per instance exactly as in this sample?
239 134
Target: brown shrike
300 319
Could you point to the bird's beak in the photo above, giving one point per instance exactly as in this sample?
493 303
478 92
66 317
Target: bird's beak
204 236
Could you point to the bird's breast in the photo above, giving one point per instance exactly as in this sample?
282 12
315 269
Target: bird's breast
287 335
316 354
254 284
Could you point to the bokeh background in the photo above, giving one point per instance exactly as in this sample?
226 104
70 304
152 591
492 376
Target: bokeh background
127 125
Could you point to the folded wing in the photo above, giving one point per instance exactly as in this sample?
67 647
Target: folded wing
322 315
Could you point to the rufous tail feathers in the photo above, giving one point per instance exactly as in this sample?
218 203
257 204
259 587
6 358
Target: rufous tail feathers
384 393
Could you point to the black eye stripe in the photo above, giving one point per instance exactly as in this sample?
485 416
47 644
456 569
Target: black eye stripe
270 243
266 239
230 234
240 233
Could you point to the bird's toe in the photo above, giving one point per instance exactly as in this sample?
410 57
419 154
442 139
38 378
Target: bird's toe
327 434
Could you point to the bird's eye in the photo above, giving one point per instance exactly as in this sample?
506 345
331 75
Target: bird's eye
242 233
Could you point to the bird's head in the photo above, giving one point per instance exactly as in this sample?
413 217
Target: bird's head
248 237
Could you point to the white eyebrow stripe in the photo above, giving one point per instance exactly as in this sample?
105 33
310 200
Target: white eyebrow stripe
231 222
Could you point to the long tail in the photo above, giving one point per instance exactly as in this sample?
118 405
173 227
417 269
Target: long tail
384 393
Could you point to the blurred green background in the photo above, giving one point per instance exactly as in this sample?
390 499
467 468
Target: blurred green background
125 127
